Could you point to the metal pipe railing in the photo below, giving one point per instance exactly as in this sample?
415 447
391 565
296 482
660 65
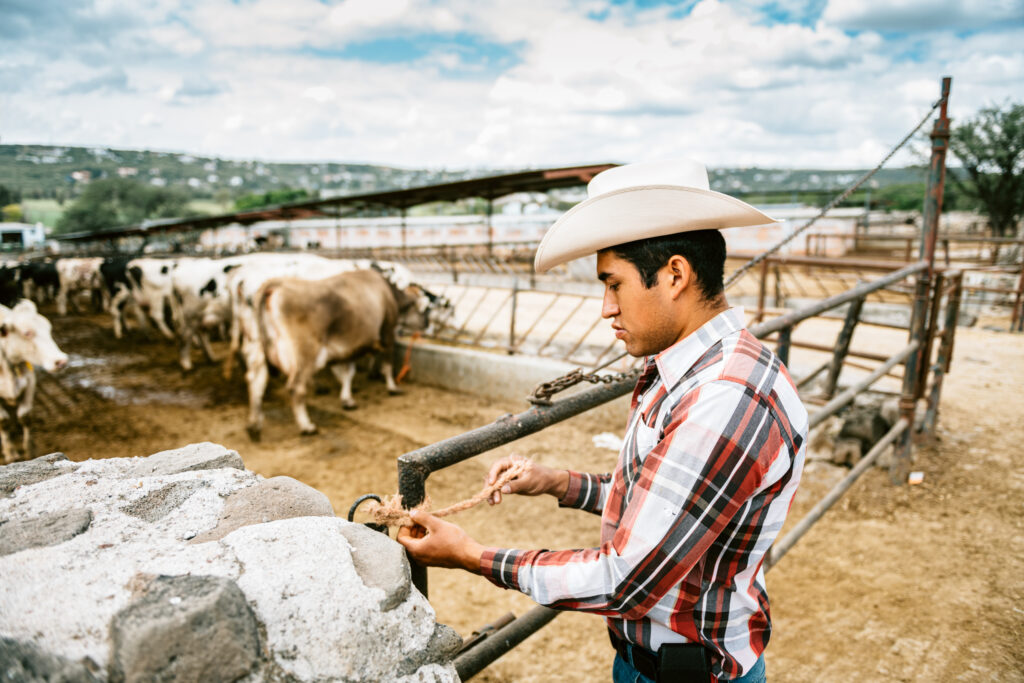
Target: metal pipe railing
789 540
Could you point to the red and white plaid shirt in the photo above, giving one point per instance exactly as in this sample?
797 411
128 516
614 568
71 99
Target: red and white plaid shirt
707 472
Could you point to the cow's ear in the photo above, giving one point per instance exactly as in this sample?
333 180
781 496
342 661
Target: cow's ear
3 330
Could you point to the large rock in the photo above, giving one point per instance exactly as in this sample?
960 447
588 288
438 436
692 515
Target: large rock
329 600
196 456
28 663
32 471
47 529
185 628
265 501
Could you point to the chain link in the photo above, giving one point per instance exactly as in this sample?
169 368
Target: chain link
543 392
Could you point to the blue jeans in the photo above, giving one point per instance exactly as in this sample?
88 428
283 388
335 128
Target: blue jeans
623 672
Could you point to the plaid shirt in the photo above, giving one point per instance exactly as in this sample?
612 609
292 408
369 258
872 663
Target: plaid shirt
706 475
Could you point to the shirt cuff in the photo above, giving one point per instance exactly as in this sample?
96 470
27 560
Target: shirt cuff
583 493
501 567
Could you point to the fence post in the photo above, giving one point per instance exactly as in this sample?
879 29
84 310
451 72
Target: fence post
929 234
842 346
945 352
762 292
926 349
785 337
512 321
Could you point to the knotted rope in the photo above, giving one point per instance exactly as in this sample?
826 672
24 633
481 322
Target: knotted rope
391 513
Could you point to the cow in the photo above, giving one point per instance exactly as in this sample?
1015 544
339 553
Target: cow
149 281
306 325
39 281
25 342
10 283
77 275
117 290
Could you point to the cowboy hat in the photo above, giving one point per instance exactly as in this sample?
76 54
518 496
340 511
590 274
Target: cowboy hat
642 200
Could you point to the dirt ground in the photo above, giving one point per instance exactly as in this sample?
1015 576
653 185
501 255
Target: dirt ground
911 583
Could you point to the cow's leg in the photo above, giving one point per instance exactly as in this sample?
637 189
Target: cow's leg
236 336
344 372
185 351
204 344
298 386
62 301
157 314
117 304
256 376
387 370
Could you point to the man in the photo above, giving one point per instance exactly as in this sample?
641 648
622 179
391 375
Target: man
712 454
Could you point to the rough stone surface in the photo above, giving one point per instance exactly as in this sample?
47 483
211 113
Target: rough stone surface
265 501
27 663
185 628
317 586
847 452
24 473
197 456
155 505
380 563
45 530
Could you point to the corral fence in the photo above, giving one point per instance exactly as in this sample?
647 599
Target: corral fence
931 297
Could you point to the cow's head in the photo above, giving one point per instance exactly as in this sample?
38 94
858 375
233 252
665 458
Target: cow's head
422 310
25 337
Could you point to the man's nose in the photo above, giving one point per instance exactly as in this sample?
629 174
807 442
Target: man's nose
609 308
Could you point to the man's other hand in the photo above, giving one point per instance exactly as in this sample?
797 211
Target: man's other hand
436 543
537 479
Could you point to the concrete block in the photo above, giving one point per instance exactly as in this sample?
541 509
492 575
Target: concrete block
196 456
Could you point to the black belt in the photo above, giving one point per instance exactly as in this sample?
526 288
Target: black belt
673 663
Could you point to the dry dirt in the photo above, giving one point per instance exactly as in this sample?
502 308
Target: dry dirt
915 583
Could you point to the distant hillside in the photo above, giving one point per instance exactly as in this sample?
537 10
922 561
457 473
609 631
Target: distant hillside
42 171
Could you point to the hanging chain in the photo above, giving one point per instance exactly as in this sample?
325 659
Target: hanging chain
543 392
832 204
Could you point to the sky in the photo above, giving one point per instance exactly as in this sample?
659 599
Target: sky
461 84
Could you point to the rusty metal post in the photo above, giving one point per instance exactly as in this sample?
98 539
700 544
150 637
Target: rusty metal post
785 337
842 346
762 292
512 316
929 337
941 366
936 181
1017 319
777 272
929 233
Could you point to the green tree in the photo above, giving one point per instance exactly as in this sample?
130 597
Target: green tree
8 196
271 198
12 213
990 148
115 202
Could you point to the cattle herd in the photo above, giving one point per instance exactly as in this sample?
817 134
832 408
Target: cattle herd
297 312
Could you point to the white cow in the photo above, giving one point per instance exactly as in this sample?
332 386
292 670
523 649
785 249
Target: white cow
77 275
150 286
25 342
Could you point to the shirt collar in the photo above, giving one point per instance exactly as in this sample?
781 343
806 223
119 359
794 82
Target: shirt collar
676 360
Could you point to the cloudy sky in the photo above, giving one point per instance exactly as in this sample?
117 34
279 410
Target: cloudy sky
501 83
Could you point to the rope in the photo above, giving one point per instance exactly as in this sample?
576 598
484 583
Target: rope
832 204
391 513
407 364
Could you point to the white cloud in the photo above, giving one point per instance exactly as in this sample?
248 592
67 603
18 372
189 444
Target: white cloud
722 83
910 15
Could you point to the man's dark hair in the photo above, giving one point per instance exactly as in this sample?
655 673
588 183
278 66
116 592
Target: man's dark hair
703 249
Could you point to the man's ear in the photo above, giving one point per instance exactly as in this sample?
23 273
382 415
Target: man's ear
680 274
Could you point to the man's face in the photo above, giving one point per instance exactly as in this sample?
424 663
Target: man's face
642 318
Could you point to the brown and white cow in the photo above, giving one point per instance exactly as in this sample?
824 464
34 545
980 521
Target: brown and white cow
25 342
306 325
77 275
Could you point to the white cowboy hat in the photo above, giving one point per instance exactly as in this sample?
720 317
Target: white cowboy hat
641 200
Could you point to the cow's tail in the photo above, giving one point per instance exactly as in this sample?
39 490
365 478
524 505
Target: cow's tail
260 304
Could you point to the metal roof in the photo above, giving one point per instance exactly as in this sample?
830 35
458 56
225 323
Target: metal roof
490 187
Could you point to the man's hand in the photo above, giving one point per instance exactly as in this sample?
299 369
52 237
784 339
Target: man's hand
537 479
436 543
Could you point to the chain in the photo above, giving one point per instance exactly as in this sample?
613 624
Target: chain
832 204
543 392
